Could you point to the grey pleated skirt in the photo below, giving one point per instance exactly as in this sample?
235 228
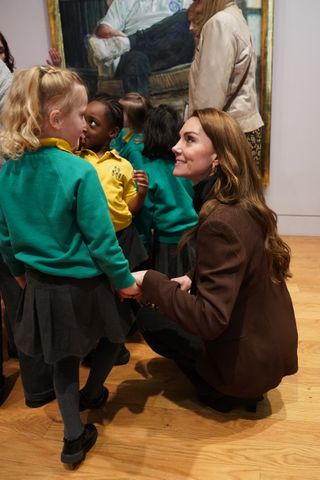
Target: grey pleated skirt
174 262
63 316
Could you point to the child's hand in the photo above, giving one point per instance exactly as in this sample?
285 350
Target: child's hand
130 292
142 180
55 58
21 281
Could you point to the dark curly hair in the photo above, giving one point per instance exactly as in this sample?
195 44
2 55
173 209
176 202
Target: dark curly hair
8 58
161 132
114 109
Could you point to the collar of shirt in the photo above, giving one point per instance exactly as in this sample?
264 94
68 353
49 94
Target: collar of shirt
56 142
109 154
128 135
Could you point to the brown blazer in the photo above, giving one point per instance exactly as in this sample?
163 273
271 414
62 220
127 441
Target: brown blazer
246 321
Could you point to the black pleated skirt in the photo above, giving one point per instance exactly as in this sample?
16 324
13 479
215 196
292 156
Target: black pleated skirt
63 316
132 246
172 261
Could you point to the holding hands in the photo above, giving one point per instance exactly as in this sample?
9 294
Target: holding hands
134 291
139 276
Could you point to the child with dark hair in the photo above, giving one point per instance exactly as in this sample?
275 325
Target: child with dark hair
168 210
135 109
104 117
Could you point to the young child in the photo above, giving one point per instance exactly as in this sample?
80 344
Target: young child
104 118
135 110
58 241
168 211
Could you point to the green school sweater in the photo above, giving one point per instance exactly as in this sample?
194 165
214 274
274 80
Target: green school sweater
54 218
168 207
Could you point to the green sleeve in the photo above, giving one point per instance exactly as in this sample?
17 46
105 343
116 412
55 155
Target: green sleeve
97 229
16 267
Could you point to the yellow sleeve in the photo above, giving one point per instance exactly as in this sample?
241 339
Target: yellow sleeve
129 186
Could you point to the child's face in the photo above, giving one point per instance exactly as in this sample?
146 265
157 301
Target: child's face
99 129
73 123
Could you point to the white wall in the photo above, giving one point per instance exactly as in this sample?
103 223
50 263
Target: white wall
25 25
294 191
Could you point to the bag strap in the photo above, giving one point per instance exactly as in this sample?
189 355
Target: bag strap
235 93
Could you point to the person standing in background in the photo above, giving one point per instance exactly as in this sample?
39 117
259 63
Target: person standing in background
223 72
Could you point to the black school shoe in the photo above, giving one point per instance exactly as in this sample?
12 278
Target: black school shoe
74 451
123 356
99 402
40 402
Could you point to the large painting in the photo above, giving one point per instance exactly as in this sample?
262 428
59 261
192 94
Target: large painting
72 21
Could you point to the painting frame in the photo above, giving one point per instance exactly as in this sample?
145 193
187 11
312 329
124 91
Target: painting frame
264 74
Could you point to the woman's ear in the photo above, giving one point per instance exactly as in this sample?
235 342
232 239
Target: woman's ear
215 161
55 119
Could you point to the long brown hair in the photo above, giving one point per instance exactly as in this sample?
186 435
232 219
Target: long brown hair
210 8
238 182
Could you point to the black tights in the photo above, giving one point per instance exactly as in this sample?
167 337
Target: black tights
66 384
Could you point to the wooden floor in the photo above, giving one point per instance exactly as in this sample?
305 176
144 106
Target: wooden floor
154 429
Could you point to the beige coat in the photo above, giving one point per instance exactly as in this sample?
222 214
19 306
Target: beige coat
220 62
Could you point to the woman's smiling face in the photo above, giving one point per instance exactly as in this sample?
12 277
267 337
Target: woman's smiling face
195 153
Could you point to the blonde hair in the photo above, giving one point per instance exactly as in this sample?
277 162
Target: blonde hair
210 8
237 182
33 94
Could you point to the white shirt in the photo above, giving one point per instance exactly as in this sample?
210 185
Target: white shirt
129 16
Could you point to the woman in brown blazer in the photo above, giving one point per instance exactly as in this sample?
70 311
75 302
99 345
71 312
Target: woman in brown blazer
234 333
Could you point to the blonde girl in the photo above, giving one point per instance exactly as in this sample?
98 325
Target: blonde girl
58 241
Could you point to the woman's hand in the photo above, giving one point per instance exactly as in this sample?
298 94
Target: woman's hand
139 276
184 282
130 292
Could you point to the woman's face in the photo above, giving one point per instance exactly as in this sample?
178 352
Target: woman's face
195 154
2 52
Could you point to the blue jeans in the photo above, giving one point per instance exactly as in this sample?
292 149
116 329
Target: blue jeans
164 45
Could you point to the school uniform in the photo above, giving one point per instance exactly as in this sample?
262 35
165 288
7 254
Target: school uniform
116 178
126 141
166 215
71 257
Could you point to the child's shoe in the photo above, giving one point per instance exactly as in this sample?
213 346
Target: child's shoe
74 451
85 403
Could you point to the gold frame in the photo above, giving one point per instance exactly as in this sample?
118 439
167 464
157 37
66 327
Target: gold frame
267 8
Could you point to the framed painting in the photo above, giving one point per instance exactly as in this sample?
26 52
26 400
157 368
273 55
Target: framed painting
71 21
